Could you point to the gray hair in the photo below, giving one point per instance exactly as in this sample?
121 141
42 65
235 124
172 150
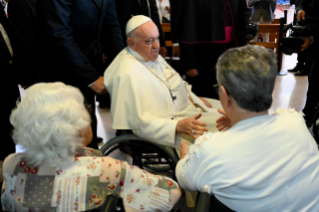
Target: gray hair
249 74
48 120
132 35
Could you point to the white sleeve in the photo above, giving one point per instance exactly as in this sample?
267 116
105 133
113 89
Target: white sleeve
161 130
191 171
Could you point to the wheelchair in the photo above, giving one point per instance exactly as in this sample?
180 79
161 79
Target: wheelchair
147 155
206 202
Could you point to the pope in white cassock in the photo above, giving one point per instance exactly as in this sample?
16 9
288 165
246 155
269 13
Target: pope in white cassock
149 97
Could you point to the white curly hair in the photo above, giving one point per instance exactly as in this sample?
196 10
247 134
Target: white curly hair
48 120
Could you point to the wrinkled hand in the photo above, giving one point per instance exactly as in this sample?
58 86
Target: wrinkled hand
163 52
192 72
301 15
306 44
223 123
184 150
98 87
206 102
188 125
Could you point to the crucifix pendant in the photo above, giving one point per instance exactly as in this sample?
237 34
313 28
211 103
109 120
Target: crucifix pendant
173 97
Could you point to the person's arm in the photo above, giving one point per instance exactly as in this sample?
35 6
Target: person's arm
161 131
188 60
165 131
252 3
22 17
135 183
273 3
246 13
303 6
191 170
56 15
111 34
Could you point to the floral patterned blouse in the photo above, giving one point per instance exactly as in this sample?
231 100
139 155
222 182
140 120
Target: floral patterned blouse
81 183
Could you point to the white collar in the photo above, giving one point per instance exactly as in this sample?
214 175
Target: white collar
139 57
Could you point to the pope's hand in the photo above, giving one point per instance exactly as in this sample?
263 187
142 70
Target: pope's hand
192 72
98 87
184 150
205 102
191 126
301 15
223 123
306 44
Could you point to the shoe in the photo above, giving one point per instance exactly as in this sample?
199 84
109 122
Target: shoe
295 69
301 73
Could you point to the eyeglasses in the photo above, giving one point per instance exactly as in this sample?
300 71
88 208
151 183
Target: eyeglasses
216 87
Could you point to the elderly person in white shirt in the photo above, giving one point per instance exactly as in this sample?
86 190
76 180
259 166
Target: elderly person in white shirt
258 162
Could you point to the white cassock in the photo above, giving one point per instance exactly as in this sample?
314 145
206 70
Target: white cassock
151 97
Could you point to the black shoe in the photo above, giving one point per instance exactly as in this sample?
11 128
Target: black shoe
301 73
295 69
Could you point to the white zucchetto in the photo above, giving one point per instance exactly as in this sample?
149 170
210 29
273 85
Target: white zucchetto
135 22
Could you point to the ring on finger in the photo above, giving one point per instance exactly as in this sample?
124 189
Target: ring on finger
192 131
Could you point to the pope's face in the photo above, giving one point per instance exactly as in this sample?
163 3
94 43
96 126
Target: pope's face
147 41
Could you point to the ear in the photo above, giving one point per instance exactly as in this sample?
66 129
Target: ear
131 43
226 98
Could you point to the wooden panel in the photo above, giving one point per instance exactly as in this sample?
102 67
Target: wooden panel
166 27
275 21
169 43
271 28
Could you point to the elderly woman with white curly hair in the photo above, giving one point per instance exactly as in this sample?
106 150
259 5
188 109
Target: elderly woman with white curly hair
258 162
57 173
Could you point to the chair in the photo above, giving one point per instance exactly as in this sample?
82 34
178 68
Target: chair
146 154
274 38
209 203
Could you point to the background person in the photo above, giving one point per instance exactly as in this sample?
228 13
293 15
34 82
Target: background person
204 29
72 37
262 13
10 74
309 8
276 170
57 173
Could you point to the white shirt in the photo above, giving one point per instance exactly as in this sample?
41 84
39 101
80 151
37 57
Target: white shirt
162 11
142 101
266 163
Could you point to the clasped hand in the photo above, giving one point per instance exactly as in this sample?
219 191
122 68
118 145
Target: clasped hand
191 126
